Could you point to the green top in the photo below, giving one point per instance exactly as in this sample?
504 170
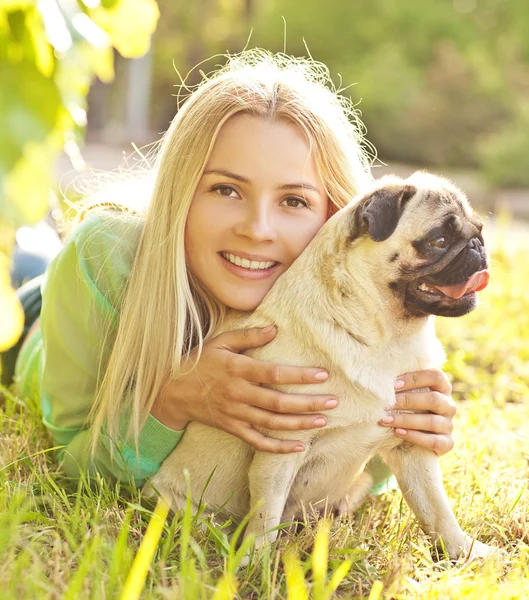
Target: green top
59 363
80 305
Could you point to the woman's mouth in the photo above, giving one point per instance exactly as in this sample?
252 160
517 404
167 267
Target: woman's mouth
246 268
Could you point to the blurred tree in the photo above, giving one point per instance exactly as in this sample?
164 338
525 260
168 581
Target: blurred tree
49 52
438 81
188 34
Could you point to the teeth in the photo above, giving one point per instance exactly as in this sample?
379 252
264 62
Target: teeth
253 265
426 288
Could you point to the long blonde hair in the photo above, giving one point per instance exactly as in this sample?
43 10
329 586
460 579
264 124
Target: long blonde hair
165 312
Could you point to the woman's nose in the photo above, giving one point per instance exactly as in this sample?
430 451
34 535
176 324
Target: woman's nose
257 225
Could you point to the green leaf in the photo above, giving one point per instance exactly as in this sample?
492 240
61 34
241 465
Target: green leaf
130 25
295 579
12 321
29 105
107 4
44 60
27 185
12 5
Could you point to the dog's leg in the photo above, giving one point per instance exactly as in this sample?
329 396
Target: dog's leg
356 494
419 475
271 477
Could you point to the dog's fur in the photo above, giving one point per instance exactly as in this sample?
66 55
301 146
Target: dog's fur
351 305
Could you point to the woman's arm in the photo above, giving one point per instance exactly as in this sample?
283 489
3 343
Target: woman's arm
224 390
79 320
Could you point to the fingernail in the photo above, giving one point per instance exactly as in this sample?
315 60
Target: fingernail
399 383
298 449
400 432
321 376
267 329
387 420
319 422
331 404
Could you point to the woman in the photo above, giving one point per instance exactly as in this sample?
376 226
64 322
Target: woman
125 353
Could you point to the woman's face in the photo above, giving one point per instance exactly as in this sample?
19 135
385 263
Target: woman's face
257 206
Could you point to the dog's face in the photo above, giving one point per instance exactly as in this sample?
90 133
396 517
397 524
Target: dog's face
422 242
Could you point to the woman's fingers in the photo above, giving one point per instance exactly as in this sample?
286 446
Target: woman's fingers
262 443
239 340
434 379
242 366
435 402
428 423
440 444
274 421
274 374
279 402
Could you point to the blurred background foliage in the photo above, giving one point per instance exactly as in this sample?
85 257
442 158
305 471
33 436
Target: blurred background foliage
439 83
50 51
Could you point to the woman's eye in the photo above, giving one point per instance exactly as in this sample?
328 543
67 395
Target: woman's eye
294 202
440 242
225 190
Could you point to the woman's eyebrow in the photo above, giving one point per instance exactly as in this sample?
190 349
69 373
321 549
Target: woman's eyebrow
302 184
227 173
286 186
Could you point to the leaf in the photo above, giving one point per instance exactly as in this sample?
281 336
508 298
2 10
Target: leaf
376 590
43 52
26 187
12 321
320 558
142 561
29 105
338 576
103 64
226 588
109 3
12 5
296 587
130 25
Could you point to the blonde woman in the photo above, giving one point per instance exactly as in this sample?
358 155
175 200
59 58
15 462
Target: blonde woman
124 354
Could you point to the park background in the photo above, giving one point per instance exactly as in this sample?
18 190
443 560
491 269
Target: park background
441 85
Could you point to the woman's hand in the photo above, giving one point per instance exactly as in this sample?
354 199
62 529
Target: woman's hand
224 391
431 429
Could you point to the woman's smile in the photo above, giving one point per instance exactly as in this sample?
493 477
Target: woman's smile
248 266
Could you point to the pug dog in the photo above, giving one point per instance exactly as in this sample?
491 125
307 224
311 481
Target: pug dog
357 302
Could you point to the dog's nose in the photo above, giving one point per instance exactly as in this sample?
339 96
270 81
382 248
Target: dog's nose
474 244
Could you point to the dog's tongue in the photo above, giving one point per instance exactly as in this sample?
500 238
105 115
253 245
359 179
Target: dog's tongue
476 283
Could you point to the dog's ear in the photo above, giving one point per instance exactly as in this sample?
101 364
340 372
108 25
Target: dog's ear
378 213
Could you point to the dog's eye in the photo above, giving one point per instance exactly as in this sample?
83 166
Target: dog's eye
440 242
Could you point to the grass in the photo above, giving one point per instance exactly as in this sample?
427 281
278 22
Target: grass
64 540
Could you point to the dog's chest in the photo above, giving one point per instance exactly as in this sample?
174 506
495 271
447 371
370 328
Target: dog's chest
334 463
358 440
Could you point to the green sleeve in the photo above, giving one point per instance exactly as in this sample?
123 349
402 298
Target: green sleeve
80 313
383 479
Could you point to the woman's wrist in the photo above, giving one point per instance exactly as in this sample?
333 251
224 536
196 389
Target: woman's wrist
166 410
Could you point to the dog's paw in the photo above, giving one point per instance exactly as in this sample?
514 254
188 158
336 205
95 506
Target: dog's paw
475 550
466 549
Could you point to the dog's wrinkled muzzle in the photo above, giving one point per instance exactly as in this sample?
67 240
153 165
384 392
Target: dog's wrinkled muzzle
451 292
